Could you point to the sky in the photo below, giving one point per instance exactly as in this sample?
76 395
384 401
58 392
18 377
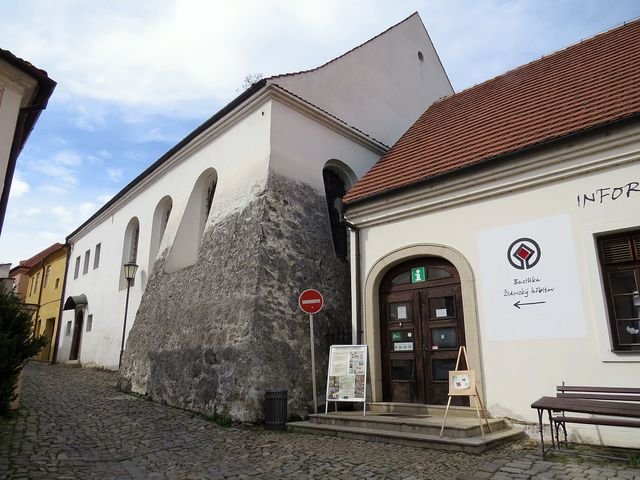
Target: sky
136 76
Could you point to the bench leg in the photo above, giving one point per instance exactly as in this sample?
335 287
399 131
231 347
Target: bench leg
564 431
541 432
553 444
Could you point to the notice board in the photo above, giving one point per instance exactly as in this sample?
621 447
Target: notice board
347 375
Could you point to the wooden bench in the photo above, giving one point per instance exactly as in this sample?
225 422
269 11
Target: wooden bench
613 406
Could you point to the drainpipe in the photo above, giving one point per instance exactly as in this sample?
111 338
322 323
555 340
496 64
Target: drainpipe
358 294
59 322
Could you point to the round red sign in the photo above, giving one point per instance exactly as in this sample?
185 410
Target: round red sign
311 301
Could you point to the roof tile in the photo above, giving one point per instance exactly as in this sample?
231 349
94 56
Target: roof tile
589 84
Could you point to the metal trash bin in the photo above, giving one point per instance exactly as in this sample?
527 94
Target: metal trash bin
275 410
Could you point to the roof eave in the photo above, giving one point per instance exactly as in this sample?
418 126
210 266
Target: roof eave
482 163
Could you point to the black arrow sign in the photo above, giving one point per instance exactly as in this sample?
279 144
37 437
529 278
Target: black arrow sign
517 304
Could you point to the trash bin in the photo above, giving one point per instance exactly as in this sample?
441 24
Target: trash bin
275 409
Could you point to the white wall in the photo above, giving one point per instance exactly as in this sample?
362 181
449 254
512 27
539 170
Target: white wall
241 165
526 352
301 146
16 90
380 87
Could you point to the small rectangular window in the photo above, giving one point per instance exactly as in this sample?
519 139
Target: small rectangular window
57 283
96 256
85 267
89 322
68 332
76 271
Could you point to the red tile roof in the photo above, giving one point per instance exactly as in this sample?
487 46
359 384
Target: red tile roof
587 85
33 261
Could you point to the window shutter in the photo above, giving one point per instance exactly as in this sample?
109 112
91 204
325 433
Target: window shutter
617 250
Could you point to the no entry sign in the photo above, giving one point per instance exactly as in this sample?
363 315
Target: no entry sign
311 301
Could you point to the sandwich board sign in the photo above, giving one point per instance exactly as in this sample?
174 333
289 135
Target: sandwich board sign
347 375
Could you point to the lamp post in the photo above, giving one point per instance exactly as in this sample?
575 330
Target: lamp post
129 273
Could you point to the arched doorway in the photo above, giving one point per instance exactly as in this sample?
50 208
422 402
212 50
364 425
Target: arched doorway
77 336
421 329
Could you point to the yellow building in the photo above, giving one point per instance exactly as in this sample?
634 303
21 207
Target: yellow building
44 293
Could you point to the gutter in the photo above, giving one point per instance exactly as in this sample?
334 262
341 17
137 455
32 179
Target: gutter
357 279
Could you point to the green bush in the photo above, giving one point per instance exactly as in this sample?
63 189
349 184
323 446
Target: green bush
17 345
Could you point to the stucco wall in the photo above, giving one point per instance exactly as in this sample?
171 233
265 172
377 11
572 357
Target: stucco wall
241 167
380 87
525 352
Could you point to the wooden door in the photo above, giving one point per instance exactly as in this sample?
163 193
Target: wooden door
77 336
442 326
401 356
422 327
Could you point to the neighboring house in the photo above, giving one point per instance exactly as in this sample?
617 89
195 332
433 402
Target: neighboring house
20 280
7 283
24 93
507 219
45 279
233 223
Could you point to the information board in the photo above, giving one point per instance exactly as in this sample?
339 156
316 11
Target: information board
347 375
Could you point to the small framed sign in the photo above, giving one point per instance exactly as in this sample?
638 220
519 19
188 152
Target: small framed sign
462 383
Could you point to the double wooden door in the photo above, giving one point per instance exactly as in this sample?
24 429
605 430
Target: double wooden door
422 327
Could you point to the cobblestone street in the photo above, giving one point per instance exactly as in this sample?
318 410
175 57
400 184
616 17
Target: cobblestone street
75 424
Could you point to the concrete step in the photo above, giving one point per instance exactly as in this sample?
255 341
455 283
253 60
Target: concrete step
476 444
456 426
420 409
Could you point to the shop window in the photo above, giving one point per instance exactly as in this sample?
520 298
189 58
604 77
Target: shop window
620 266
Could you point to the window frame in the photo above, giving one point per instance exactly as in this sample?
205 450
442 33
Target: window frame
606 268
76 270
87 261
96 255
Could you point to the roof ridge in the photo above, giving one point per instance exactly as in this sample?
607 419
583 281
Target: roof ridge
290 74
543 57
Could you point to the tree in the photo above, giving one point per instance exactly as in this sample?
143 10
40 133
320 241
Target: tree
17 345
249 80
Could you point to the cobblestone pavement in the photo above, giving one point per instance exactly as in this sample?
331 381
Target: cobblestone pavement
75 424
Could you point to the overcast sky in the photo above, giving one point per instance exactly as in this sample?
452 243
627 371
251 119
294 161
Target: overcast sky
134 77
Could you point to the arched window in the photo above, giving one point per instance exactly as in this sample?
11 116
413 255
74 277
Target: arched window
184 251
129 249
338 179
160 220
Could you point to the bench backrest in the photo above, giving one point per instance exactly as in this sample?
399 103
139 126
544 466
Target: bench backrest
599 393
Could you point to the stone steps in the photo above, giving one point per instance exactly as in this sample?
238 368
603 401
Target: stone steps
413 425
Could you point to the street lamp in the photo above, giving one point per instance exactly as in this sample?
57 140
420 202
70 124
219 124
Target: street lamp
129 273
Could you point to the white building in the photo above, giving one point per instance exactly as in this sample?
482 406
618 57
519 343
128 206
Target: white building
231 224
507 219
24 93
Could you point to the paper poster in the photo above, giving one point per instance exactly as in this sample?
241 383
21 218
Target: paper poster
346 378
462 382
402 313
